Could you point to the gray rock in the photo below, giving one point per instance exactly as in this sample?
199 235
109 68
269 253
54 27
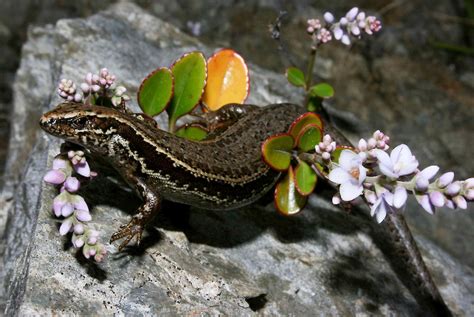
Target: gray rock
192 261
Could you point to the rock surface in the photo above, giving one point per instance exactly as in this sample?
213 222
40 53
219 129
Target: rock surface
192 262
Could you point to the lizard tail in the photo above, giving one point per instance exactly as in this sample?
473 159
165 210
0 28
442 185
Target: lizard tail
405 259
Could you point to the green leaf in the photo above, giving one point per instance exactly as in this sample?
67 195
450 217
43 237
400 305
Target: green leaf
191 133
276 151
305 178
302 121
288 200
322 90
189 80
309 137
295 76
156 91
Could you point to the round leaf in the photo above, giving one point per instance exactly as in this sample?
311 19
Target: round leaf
304 120
309 137
288 200
276 151
305 178
189 80
322 90
191 133
295 76
227 79
156 91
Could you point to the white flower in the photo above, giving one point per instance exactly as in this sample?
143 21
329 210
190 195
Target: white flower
382 206
400 162
350 174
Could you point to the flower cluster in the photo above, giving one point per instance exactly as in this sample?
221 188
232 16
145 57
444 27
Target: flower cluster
326 147
353 24
67 91
385 179
93 87
71 207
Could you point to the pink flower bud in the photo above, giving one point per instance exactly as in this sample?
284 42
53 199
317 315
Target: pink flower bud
59 163
449 203
79 228
336 200
72 184
328 17
355 30
371 144
351 15
437 199
460 202
362 145
83 215
92 240
83 169
326 156
338 33
429 172
85 88
343 21
469 183
469 194
95 79
55 177
95 88
67 210
346 40
445 179
453 189
78 97
78 243
425 202
421 184
65 227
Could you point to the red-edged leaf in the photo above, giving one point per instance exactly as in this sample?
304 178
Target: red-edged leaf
277 151
302 121
309 137
288 200
305 178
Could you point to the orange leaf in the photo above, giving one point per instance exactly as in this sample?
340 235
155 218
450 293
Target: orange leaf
227 79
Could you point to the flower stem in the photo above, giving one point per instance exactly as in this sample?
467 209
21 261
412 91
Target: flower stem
309 69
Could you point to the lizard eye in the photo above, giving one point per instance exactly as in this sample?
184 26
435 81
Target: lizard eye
79 123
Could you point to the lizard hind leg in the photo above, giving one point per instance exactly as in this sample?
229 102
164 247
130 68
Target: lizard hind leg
218 121
145 213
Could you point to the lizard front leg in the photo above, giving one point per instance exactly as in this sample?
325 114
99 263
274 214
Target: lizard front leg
145 213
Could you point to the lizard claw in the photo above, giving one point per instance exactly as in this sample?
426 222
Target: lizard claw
132 229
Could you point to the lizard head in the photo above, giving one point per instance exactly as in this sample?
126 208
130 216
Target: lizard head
77 123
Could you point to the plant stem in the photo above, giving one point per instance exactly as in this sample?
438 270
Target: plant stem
309 70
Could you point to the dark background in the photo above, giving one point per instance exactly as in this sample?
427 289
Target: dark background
415 79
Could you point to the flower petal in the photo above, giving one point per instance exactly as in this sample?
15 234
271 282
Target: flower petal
399 197
348 159
408 168
383 157
350 191
59 163
362 174
401 153
387 171
339 175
